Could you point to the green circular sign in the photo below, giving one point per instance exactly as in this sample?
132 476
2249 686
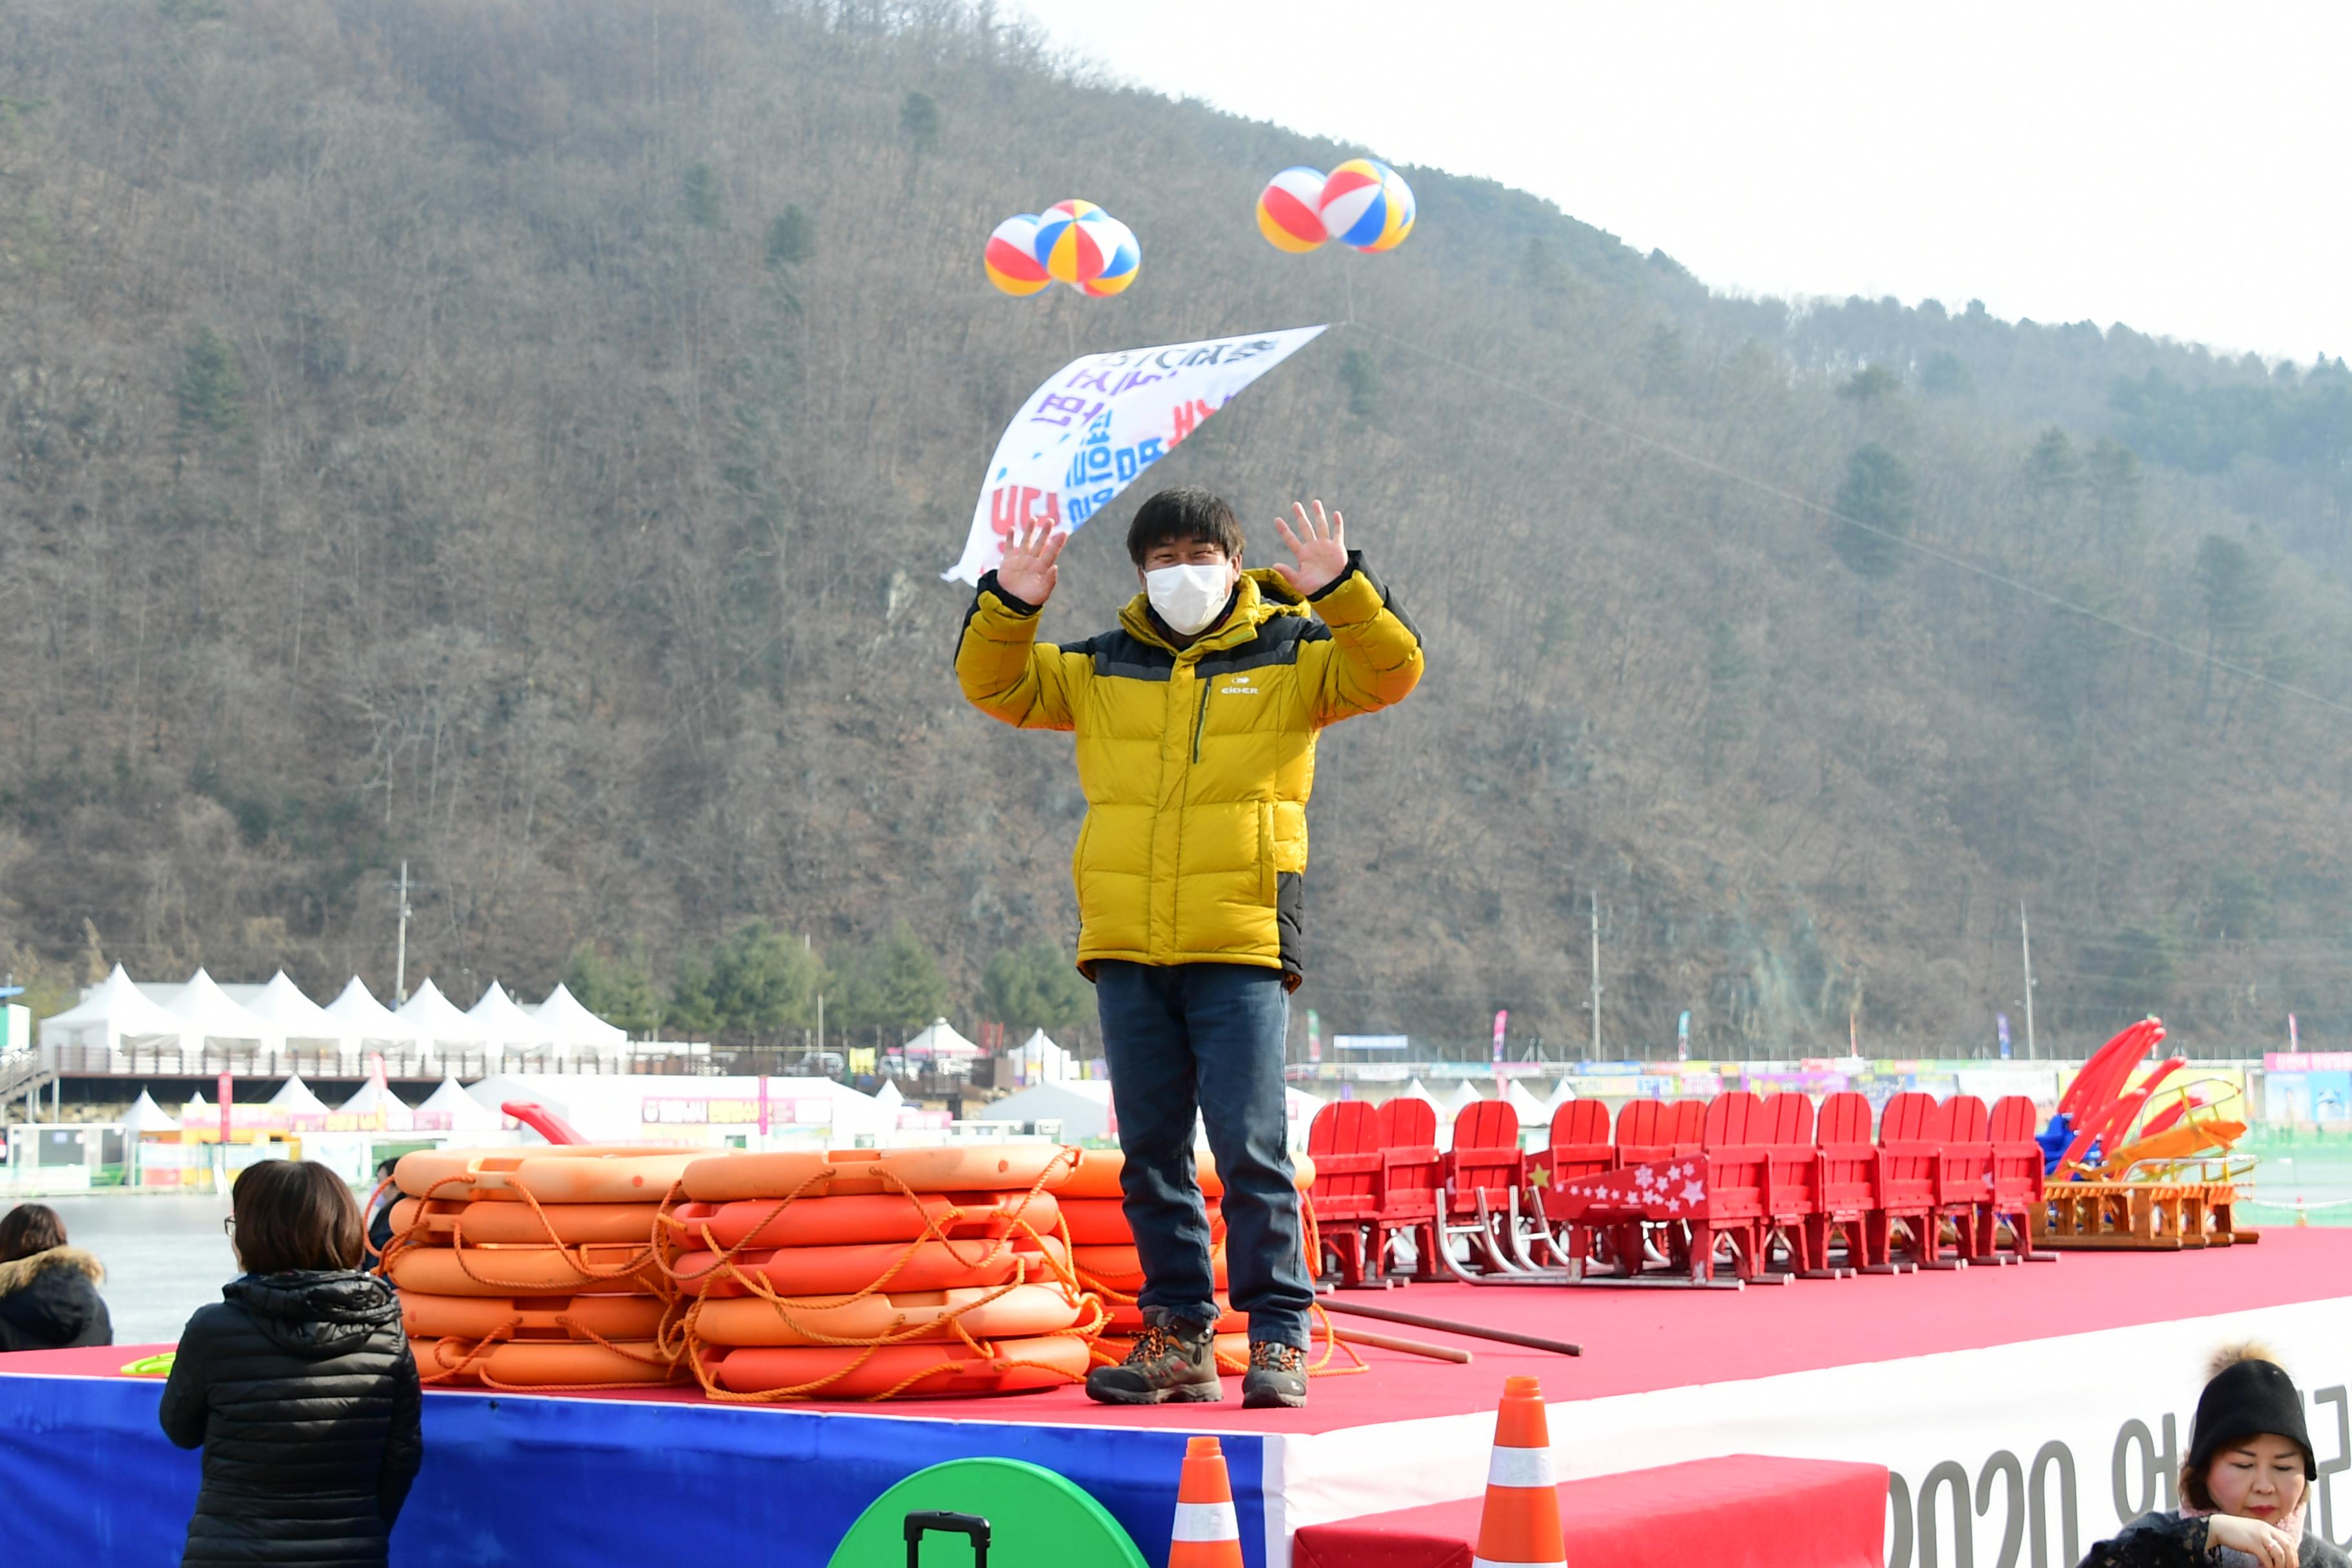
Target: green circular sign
1034 1517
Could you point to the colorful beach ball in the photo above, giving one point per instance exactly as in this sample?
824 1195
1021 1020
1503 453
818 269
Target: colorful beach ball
1012 256
1075 241
1366 205
1289 210
1122 258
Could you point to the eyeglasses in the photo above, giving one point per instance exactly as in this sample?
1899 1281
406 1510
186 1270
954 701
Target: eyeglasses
229 1225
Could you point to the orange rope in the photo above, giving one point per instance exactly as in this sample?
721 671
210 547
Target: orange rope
678 1346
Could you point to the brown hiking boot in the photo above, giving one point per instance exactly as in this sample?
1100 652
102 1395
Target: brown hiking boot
1276 1377
1174 1364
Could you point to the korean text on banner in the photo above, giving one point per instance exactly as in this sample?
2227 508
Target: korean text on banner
1100 421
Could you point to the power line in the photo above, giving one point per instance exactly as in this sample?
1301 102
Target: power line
1766 487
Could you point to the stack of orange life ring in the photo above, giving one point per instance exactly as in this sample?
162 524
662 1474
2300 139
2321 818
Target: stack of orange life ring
534 1266
864 1274
1103 1254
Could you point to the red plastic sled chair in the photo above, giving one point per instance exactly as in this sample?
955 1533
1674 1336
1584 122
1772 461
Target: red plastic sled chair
1413 1186
1792 1183
1344 1141
1964 1174
1735 1162
1906 1203
1579 1147
1848 1161
1650 1129
2017 1180
1485 1173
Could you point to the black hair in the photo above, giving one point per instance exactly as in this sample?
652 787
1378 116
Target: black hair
30 1229
1189 514
293 1214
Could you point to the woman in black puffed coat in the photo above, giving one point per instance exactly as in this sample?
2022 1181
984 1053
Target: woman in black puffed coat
49 1291
299 1386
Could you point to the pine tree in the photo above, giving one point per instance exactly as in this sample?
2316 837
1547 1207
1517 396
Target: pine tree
618 990
792 239
211 393
1034 988
918 117
702 196
1875 509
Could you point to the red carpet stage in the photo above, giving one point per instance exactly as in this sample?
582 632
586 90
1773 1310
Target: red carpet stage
2053 1392
1741 1511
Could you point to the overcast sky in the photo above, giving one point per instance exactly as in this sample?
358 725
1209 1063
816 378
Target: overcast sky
2184 169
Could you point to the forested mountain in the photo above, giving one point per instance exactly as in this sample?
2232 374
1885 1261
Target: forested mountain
523 436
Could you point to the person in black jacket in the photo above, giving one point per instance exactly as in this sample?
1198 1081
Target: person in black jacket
2245 1488
299 1386
48 1291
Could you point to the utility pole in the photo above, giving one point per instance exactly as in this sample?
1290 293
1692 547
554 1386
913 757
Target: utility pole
1592 901
2025 944
400 953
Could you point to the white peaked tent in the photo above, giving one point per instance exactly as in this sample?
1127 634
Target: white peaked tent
211 1016
364 1021
940 1042
375 1101
198 1113
1042 1062
1419 1090
115 1012
498 1019
465 1113
1464 1098
146 1116
295 1099
1561 1096
564 1021
887 1101
1298 1109
432 1019
295 1017
1531 1111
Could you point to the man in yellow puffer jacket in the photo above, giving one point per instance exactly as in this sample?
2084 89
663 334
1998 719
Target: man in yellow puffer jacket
1196 722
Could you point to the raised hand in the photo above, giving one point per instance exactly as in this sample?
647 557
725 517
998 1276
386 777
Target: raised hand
1319 543
1027 571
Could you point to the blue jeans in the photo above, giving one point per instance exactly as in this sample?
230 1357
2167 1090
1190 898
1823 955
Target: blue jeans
1206 1038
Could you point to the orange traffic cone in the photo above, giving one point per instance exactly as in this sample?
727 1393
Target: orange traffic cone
1520 1523
1208 1534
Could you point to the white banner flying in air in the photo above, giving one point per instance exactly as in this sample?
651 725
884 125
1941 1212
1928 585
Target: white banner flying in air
1100 421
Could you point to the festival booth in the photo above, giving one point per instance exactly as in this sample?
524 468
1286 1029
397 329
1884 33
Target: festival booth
375 1109
301 1024
498 1021
216 1022
437 1025
563 1022
450 1109
743 1112
115 1016
1038 1059
367 1023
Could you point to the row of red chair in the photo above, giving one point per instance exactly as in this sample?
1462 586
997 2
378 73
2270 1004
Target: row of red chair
1782 1189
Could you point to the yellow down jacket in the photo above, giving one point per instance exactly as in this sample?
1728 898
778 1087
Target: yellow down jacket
1196 761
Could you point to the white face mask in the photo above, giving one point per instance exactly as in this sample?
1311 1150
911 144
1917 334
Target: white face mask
1188 598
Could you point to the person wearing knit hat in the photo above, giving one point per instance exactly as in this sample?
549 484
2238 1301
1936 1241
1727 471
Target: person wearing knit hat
2245 1488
